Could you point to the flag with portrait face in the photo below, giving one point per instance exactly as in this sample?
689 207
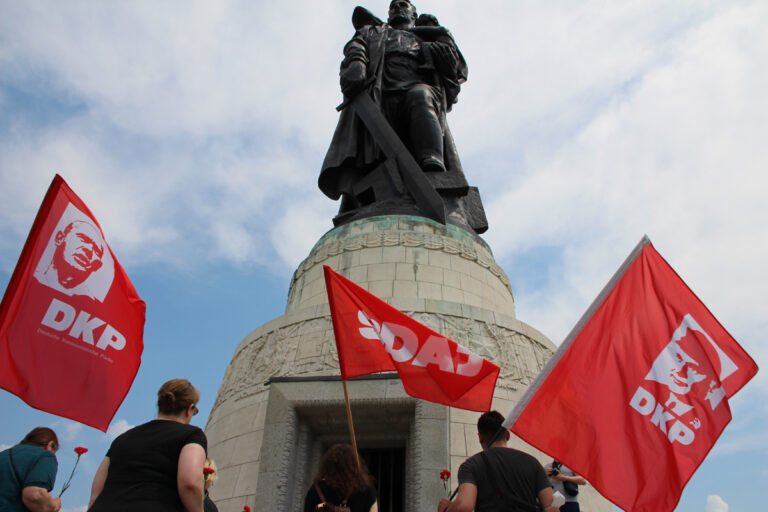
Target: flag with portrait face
636 396
71 322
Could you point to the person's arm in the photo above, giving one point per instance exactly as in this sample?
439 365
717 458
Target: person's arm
189 479
546 495
576 479
464 502
374 507
355 64
37 499
98 480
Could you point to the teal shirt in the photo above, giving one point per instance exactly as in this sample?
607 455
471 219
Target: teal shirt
35 467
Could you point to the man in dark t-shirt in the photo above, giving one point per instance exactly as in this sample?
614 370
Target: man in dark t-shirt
500 475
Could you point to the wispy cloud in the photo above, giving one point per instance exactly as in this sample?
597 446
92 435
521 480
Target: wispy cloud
5 446
716 504
67 430
677 156
118 427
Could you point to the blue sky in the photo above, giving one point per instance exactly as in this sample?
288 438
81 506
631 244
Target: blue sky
195 132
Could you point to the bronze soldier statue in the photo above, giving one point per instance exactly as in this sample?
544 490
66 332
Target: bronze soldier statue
392 152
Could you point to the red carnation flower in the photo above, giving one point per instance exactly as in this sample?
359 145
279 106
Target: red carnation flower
246 509
445 475
208 471
80 450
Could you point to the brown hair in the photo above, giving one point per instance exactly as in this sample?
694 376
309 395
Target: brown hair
41 436
175 396
340 471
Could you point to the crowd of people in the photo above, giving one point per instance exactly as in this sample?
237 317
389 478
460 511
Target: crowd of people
162 466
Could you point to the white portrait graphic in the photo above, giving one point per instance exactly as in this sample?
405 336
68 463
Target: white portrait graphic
76 260
691 357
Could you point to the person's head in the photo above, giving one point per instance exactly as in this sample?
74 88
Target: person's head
210 477
178 398
427 20
78 254
402 13
488 424
339 470
43 437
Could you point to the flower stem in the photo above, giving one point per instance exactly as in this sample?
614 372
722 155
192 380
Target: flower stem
69 480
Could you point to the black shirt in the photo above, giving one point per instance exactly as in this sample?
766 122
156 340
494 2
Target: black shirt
517 473
143 465
359 502
208 504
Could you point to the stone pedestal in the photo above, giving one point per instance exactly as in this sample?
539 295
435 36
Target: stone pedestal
281 402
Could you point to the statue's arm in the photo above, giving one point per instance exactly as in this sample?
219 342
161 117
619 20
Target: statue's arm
446 56
354 65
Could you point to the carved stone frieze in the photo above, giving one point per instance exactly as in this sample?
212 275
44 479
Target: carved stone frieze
276 352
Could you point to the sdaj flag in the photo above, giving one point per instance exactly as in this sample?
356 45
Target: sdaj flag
71 323
637 394
372 336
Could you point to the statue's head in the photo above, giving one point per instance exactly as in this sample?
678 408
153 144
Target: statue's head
402 13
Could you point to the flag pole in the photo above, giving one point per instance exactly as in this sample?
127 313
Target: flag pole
327 275
565 345
351 426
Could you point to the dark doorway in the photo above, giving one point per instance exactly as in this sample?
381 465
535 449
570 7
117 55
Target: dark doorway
387 465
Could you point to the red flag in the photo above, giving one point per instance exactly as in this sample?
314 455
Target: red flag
638 393
372 336
71 323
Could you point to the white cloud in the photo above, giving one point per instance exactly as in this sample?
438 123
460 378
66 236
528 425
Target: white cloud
716 504
67 430
118 427
678 157
5 447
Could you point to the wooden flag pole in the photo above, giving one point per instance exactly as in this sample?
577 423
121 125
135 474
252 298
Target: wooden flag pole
351 426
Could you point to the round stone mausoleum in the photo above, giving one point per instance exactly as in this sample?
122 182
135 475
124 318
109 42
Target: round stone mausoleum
281 403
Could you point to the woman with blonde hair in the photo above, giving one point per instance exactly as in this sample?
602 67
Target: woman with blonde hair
157 466
211 474
340 482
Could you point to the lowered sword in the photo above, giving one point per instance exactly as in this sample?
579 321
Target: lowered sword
427 199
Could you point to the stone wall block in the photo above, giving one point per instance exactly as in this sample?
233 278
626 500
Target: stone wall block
458 443
393 255
405 289
429 274
247 480
382 272
430 291
248 447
